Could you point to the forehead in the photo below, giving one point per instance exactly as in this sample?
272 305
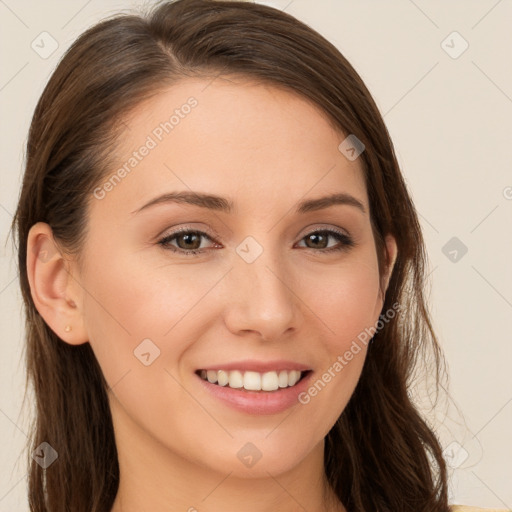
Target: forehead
253 142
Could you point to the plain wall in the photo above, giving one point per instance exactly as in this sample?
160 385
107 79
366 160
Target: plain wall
450 118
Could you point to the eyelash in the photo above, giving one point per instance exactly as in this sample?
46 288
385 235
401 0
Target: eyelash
346 241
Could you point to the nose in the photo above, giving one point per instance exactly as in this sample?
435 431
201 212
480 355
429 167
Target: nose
261 299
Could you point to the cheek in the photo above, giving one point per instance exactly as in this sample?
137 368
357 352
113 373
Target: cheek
345 298
345 302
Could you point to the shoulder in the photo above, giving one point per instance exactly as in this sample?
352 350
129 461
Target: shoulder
465 508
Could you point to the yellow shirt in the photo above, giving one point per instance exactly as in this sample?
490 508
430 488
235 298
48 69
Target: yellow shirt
464 508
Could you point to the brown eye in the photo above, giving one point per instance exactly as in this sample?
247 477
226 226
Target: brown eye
320 240
190 241
187 242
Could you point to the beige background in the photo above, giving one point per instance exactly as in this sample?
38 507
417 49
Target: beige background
451 122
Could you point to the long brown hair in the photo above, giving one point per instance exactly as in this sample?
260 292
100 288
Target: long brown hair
381 454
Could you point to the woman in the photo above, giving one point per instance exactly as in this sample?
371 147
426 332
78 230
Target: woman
222 272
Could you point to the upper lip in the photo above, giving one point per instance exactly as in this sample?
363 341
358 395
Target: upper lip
258 366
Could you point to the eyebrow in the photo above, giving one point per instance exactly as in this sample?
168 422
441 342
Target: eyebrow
222 204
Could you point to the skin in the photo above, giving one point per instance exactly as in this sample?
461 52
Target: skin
265 149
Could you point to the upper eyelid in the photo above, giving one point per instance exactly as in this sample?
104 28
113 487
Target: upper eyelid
179 231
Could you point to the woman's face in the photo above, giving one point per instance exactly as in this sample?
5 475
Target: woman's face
272 290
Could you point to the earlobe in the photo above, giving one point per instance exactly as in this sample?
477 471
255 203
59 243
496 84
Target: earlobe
53 288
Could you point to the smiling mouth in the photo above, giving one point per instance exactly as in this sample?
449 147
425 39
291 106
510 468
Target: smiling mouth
253 381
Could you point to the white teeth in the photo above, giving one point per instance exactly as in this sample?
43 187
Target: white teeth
236 379
283 379
222 378
269 381
252 381
293 377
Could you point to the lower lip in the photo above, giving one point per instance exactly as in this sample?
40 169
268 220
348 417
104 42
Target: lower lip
258 402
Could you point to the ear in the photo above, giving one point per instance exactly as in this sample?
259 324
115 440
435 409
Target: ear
55 290
391 254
